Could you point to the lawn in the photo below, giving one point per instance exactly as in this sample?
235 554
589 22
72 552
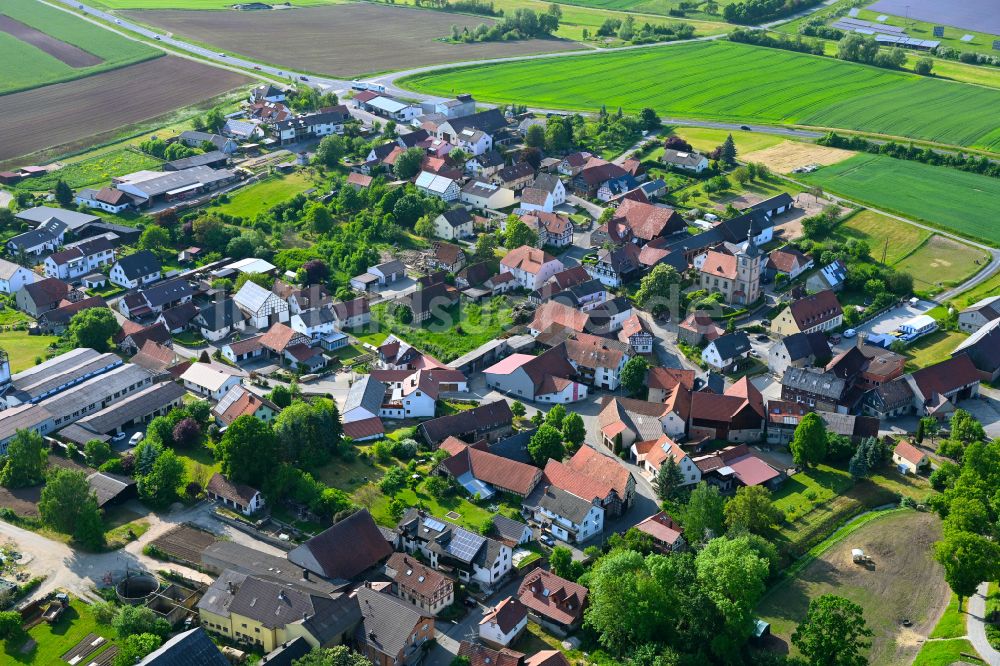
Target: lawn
738 82
472 516
932 349
192 458
945 653
10 317
260 196
738 195
942 262
456 331
25 66
955 200
53 641
895 238
23 349
985 289
952 623
704 139
904 582
804 491
97 170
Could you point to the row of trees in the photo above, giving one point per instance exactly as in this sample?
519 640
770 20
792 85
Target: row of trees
864 48
776 41
627 30
522 24
750 12
981 165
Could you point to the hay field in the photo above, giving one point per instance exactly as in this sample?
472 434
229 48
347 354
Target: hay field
43 45
342 40
903 583
790 155
942 262
738 82
70 112
961 202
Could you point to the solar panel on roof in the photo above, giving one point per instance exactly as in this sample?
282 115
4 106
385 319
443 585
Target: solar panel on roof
464 544
434 524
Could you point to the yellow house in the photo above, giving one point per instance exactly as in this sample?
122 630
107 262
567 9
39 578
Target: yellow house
819 312
259 612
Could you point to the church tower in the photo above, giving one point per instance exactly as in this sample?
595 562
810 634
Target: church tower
748 270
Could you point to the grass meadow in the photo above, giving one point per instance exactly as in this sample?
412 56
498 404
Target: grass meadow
729 81
23 349
96 170
954 200
250 200
25 66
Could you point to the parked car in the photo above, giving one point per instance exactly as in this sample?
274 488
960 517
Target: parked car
156 37
761 338
745 128
850 333
547 540
136 438
118 437
469 601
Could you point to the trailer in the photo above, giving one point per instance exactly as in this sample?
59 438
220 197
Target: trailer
56 608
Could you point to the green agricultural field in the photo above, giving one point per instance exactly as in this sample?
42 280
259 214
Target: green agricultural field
954 200
93 171
738 82
25 66
258 197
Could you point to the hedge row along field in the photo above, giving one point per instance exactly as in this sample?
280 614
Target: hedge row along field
24 66
961 202
739 82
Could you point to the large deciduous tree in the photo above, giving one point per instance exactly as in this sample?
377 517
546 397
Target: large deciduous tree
703 517
634 375
248 450
808 445
94 327
834 633
968 559
24 464
68 505
733 573
546 443
751 510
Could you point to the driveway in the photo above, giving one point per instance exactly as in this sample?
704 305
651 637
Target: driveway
79 572
977 627
888 322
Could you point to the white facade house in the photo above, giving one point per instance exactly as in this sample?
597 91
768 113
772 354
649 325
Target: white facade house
79 259
453 223
107 199
650 456
568 517
473 141
688 161
722 353
502 625
438 186
261 306
482 195
315 323
531 267
136 270
208 381
13 277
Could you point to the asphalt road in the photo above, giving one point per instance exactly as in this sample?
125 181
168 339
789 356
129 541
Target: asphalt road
977 628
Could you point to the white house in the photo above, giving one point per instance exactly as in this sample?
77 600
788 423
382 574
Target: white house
482 195
388 272
473 141
531 267
217 320
315 323
46 237
79 259
907 458
135 270
454 223
242 498
13 277
722 353
209 380
651 455
681 159
107 198
533 199
261 306
550 183
569 518
438 186
504 623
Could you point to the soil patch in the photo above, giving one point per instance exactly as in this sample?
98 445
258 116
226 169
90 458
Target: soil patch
73 56
67 113
790 155
342 40
902 583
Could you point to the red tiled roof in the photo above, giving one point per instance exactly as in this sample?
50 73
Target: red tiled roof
720 264
908 452
787 259
234 492
278 337
412 575
589 475
528 259
648 221
480 655
668 378
246 345
661 527
507 614
554 312
815 309
547 658
364 428
492 469
945 377
553 597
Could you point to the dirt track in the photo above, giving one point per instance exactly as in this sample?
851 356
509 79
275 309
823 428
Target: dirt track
73 56
343 40
66 113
